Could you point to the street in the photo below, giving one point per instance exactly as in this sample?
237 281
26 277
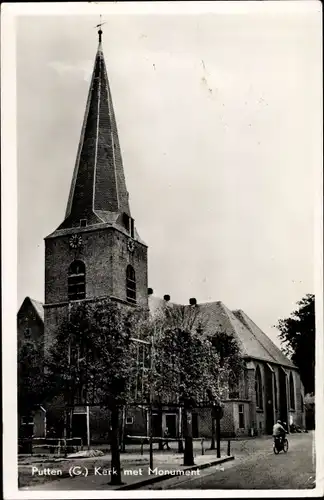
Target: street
262 469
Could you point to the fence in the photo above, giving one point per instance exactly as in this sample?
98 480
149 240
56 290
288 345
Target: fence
55 446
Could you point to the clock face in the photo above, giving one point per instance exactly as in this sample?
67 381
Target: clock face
75 241
130 245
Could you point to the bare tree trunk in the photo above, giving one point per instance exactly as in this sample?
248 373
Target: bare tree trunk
114 446
180 426
123 431
213 439
218 432
188 458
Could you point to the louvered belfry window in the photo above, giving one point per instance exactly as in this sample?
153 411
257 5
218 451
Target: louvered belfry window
130 284
76 281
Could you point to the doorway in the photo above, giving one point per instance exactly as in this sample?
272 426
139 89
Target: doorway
195 429
157 424
171 424
79 426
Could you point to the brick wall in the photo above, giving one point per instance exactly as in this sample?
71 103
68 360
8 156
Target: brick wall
106 257
29 325
297 416
121 258
252 397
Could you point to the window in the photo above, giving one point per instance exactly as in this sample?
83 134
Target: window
76 280
258 388
27 333
130 284
292 391
132 230
241 416
275 392
126 222
27 420
129 420
233 390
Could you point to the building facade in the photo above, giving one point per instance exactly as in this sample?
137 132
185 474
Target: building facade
96 252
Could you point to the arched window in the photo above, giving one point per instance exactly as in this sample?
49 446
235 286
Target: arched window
258 388
275 391
292 391
130 284
76 280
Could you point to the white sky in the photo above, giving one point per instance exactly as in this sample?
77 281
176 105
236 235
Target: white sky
219 119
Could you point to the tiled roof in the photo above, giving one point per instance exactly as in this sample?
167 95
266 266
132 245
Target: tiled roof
254 343
38 306
269 349
98 190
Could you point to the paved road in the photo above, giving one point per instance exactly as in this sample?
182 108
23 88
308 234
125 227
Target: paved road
260 469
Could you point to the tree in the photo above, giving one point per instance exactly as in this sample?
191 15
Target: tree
89 362
185 366
31 384
231 365
297 334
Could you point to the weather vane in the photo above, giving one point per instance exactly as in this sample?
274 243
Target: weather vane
100 30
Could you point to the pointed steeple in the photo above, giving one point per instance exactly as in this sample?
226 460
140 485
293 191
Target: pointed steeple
98 191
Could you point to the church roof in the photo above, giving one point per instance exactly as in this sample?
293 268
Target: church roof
253 342
98 190
36 305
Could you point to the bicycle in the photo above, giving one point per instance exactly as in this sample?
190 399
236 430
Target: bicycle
280 444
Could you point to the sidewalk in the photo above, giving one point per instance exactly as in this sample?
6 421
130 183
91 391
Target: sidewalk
93 473
135 472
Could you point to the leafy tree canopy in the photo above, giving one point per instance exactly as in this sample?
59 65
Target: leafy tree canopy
31 384
188 364
91 356
297 334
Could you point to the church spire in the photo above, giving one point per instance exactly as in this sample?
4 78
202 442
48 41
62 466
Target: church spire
98 190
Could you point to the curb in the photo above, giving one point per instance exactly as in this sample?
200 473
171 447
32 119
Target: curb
162 477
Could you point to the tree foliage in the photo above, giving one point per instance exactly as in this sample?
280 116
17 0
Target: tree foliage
188 362
297 334
89 361
31 384
231 363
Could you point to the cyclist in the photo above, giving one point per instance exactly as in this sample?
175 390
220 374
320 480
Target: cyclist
279 432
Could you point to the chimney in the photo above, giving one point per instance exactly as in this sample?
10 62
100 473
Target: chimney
166 298
150 291
192 301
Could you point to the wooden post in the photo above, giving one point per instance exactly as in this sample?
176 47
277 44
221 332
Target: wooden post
218 436
88 427
114 446
151 438
228 448
151 402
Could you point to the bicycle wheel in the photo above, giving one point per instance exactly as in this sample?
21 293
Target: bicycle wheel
275 449
285 446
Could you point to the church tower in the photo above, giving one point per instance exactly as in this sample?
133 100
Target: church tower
96 251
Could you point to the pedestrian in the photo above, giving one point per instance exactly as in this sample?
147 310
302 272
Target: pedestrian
166 442
52 435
